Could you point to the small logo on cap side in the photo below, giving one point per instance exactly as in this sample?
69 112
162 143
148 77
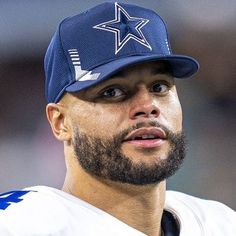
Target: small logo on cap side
81 75
125 28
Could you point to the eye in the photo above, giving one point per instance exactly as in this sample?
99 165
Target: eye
160 87
112 93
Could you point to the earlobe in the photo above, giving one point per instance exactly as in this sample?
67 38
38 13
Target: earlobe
56 115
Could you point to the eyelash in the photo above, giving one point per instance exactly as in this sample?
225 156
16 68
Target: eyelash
161 82
125 92
101 94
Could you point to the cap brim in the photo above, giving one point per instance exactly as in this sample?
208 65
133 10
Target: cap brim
181 67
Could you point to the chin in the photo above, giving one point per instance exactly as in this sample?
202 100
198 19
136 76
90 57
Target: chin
146 155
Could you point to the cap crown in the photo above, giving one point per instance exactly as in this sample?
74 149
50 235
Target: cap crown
96 37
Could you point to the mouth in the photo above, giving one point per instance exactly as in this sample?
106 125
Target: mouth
150 137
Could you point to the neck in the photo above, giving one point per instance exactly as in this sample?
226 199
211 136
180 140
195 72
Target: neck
140 207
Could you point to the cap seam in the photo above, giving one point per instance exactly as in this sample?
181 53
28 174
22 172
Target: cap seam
63 49
167 35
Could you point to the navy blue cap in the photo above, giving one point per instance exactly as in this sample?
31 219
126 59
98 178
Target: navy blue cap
90 47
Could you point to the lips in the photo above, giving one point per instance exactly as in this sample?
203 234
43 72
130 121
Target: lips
146 137
146 134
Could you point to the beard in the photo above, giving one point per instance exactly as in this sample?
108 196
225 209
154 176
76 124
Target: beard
105 159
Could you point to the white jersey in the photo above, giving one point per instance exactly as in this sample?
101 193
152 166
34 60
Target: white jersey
44 211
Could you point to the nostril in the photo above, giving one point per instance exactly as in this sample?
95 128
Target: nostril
145 110
140 114
154 112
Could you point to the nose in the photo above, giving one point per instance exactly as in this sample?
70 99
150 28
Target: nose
144 104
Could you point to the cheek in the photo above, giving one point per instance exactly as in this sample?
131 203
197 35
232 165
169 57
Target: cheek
177 116
173 113
97 120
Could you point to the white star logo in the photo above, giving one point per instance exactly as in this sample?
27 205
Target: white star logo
125 28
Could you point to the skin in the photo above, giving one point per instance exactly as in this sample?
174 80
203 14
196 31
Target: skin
140 207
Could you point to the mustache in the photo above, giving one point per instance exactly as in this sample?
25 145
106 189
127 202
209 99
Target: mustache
169 134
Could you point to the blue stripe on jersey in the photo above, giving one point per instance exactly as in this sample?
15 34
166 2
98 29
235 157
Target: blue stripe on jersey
11 197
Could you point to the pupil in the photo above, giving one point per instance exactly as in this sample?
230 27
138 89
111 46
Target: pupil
111 92
157 88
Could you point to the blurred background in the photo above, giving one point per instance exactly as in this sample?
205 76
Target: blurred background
30 155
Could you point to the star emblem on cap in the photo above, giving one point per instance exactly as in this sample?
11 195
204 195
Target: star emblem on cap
125 28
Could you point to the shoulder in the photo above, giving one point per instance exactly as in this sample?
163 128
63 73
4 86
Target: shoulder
26 210
48 211
205 215
28 199
197 204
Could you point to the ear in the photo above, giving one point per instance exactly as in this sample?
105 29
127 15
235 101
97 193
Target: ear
56 115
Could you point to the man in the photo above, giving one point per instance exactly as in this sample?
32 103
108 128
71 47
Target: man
112 101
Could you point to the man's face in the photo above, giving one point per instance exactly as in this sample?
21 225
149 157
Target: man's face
129 128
